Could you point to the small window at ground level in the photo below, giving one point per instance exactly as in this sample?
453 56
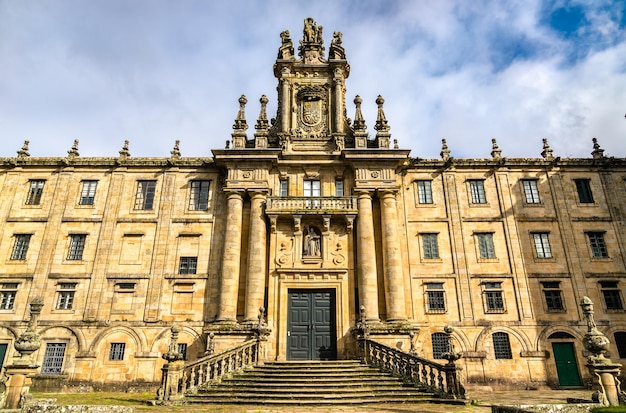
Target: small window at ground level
501 346
440 345
117 351
53 359
620 342
182 349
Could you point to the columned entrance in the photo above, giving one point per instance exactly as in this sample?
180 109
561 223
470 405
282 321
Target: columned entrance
312 325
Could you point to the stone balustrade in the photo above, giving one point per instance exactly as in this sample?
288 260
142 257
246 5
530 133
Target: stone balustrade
311 205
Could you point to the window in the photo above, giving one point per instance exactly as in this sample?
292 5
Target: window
144 198
424 192
117 351
501 346
312 189
542 245
187 265
477 189
494 299
88 193
430 245
620 342
199 196
77 246
485 245
598 247
35 191
531 192
440 345
8 292
126 287
182 349
53 359
284 188
583 188
552 294
65 296
338 187
612 295
435 298
20 247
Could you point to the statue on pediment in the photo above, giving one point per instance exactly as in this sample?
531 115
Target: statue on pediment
285 51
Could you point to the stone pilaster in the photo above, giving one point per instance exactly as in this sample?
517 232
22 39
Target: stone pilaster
394 279
255 285
368 284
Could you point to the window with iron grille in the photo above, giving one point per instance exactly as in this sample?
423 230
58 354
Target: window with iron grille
20 246
583 187
187 265
477 189
117 351
612 295
485 245
435 296
501 346
494 299
531 192
430 245
620 342
284 188
597 244
8 292
65 296
542 245
182 349
552 294
35 191
144 197
88 193
424 192
199 196
440 345
53 359
77 246
338 187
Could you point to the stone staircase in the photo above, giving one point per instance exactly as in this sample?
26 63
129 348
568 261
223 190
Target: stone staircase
311 383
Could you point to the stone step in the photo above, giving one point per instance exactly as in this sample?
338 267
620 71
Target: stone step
309 389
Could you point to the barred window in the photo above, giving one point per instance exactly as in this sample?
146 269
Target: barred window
188 265
501 345
597 244
477 189
144 197
117 351
199 196
494 299
182 349
531 192
552 294
542 245
20 246
53 359
8 291
583 187
620 342
424 192
88 193
77 246
431 247
440 345
612 295
35 191
485 245
435 296
65 296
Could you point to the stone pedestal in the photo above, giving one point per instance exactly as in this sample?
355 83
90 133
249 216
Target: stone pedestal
172 373
18 384
604 386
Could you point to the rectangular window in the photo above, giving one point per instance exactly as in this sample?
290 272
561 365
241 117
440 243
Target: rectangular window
485 245
312 189
477 189
284 188
440 345
552 294
430 245
35 191
20 246
531 192
53 359
494 299
8 292
501 346
338 187
583 187
88 193
542 245
199 196
435 296
65 294
620 343
77 246
424 192
598 247
612 295
187 265
182 349
144 198
117 351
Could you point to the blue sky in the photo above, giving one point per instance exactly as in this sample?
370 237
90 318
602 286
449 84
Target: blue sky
154 71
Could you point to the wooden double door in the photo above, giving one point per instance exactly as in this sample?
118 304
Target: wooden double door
312 325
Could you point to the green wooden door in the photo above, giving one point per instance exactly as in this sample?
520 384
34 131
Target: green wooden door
311 325
3 352
566 367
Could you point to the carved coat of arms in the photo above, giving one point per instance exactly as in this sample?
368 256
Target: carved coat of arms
312 112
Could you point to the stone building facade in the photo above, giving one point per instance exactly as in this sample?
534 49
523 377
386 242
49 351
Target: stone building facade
311 218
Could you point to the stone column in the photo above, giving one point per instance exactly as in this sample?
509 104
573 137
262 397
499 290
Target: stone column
366 259
257 243
394 279
231 257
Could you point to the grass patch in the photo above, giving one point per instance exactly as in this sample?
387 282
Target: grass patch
610 409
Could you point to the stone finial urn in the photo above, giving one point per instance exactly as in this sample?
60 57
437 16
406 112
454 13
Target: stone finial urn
594 341
29 341
173 354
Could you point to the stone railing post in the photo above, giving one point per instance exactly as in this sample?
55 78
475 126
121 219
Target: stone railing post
362 333
261 332
454 389
172 370
604 372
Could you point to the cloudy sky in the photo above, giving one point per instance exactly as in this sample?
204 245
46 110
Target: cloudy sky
154 71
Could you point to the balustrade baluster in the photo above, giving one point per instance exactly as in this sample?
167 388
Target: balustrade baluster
440 379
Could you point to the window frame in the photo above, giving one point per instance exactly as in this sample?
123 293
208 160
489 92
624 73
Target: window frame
597 244
8 294
35 192
439 345
430 245
283 187
187 265
493 297
620 343
553 296
66 292
76 248
117 351
583 189
541 243
478 195
486 247
52 364
199 195
530 189
145 195
435 298
339 188
501 346
20 247
424 191
612 296
88 192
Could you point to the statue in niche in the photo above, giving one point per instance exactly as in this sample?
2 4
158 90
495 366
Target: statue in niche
311 244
